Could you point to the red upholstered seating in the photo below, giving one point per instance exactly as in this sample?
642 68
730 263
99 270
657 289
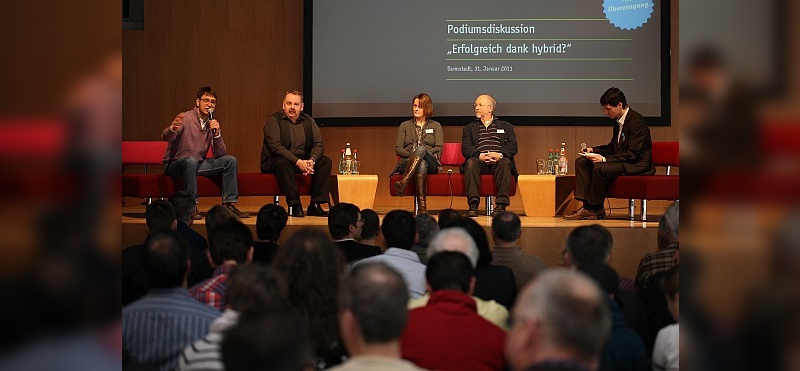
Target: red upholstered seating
162 185
650 187
443 184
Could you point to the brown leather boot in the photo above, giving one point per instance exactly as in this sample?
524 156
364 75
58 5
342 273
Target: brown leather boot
411 168
422 191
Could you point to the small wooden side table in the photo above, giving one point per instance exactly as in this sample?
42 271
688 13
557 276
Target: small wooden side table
547 195
358 190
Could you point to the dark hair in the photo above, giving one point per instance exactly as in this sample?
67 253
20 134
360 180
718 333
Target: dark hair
426 103
340 218
603 275
184 204
270 222
449 270
274 339
670 284
378 298
506 226
479 236
613 97
254 287
426 229
705 58
589 243
165 259
206 90
217 216
399 229
230 241
371 223
313 269
446 218
159 216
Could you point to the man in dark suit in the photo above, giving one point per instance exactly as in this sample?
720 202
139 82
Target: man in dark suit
489 145
345 223
629 153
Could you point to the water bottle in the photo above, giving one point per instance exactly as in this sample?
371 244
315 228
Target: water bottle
562 160
348 160
341 163
355 162
551 164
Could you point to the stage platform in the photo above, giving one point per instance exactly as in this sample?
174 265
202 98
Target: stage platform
542 236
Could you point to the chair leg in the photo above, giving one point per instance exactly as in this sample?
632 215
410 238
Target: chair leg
489 205
416 206
644 210
277 200
630 209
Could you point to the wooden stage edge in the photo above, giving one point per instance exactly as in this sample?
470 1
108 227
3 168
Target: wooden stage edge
541 236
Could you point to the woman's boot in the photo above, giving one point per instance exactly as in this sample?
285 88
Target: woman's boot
422 191
411 168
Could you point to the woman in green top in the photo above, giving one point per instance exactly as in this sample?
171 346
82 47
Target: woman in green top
419 144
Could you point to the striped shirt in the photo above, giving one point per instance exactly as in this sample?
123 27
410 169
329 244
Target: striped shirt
488 140
204 354
157 327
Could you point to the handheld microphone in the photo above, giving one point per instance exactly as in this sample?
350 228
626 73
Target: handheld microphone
583 147
211 117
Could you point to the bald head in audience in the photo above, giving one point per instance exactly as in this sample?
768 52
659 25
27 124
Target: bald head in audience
560 317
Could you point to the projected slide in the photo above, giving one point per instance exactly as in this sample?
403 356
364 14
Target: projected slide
537 58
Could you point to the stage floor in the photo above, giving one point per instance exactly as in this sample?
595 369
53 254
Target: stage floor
542 236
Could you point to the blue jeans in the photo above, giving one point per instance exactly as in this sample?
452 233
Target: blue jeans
189 168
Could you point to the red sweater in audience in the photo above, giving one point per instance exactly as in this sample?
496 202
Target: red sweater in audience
448 334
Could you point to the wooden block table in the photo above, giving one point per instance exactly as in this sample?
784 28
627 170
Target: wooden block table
358 190
547 195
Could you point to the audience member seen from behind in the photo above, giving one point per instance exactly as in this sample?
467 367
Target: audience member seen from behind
625 349
400 232
270 223
427 228
448 333
250 287
494 282
560 322
446 218
190 135
217 215
592 244
667 347
506 231
158 326
663 259
345 223
231 245
313 271
160 217
419 145
186 213
458 240
372 316
371 228
272 339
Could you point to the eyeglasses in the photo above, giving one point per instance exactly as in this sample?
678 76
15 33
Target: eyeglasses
481 105
207 100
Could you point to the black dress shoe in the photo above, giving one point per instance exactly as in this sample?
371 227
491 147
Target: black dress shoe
316 210
472 212
583 214
296 211
499 208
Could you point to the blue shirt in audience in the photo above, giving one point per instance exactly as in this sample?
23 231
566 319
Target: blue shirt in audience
407 263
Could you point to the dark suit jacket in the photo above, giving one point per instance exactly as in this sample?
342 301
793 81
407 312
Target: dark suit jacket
496 282
353 250
635 147
264 251
201 268
508 141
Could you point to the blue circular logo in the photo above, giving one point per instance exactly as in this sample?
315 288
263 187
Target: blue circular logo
628 14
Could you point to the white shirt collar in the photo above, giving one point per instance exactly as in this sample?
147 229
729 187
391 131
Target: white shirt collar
621 120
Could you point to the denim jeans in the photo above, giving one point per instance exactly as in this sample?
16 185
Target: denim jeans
189 168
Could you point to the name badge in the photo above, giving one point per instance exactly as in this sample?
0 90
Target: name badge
429 131
501 131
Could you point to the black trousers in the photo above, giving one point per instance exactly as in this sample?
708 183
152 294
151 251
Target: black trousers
502 178
285 170
592 179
